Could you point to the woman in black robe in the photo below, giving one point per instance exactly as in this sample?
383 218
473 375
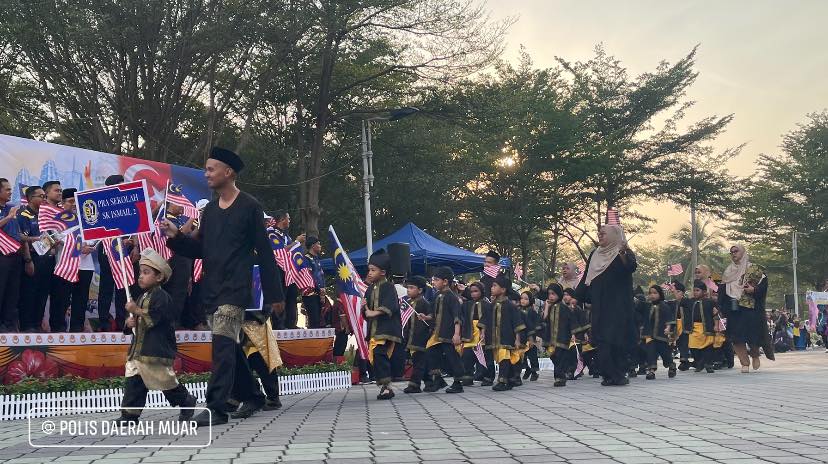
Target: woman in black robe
742 300
607 285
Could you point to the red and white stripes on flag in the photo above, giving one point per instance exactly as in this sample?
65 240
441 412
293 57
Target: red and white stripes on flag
613 219
479 354
298 271
579 367
351 292
491 270
675 269
406 310
115 255
47 220
8 245
155 240
69 263
198 268
519 271
23 200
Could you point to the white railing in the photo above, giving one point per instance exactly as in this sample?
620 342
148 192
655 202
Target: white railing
56 403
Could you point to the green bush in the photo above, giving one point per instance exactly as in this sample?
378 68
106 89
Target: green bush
74 383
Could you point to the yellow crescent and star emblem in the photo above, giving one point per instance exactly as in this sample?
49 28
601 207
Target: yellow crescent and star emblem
90 212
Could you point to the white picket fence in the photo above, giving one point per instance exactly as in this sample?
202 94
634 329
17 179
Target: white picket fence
62 403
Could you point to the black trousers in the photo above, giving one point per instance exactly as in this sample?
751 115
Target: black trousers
563 361
612 361
445 350
398 359
530 360
313 310
11 268
270 380
470 364
340 344
290 317
230 375
382 364
419 368
505 369
684 349
135 396
193 313
489 371
638 357
35 290
703 357
106 291
656 349
76 296
589 361
177 285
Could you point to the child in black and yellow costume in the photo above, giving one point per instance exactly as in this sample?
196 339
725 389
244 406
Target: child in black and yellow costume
559 324
657 329
532 320
500 330
419 332
473 310
700 340
382 311
152 351
445 340
582 336
684 325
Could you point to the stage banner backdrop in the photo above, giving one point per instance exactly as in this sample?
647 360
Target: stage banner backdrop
28 162
96 355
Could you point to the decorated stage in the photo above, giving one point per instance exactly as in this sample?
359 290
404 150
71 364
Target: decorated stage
97 355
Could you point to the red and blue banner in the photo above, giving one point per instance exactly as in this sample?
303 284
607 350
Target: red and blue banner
114 211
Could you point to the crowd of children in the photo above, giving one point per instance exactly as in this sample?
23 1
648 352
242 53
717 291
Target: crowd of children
491 333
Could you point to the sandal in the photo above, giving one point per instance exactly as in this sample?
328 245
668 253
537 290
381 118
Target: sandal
385 393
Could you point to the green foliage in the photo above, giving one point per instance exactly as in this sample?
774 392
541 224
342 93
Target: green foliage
790 192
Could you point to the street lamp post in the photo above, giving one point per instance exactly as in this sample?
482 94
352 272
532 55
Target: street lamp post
795 281
368 162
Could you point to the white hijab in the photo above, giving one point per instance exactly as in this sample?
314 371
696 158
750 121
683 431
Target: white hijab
732 277
604 255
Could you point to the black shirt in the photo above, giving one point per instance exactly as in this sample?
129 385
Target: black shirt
226 241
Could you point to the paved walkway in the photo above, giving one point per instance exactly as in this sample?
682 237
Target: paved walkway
776 415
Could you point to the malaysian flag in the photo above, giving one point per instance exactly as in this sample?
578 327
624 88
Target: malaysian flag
581 265
491 270
8 245
613 219
406 310
69 263
298 271
675 269
479 354
350 290
156 240
278 241
579 367
175 197
197 269
47 218
519 271
116 258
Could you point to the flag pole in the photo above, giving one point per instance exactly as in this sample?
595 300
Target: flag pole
121 256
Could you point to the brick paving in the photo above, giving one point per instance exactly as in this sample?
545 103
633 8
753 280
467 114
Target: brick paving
776 415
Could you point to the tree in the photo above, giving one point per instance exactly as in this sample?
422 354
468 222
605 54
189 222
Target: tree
357 47
627 156
790 193
712 251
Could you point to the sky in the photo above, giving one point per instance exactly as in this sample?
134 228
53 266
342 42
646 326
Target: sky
764 61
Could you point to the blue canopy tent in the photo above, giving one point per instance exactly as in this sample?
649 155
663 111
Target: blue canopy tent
426 252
